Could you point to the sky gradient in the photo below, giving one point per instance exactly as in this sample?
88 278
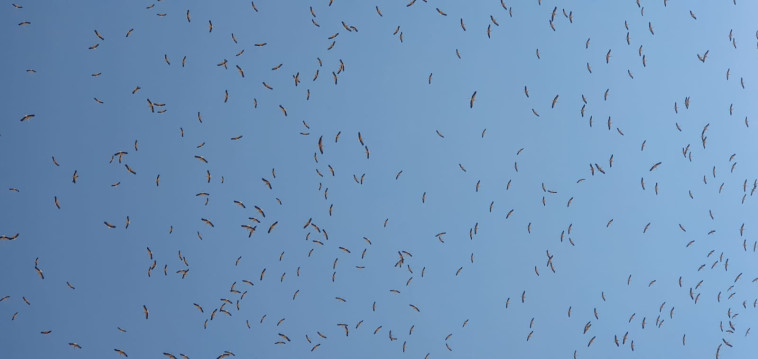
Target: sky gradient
531 179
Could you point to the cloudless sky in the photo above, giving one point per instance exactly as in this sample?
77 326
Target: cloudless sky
601 177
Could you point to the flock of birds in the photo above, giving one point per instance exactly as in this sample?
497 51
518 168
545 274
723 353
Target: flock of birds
417 230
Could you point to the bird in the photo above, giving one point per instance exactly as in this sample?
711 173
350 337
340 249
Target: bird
703 57
8 238
39 272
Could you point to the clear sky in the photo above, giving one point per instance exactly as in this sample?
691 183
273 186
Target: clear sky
597 188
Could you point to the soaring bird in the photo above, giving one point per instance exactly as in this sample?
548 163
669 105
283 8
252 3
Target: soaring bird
8 238
702 58
39 271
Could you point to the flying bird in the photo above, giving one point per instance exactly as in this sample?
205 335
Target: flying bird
703 57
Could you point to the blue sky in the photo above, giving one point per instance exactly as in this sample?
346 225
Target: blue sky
524 170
